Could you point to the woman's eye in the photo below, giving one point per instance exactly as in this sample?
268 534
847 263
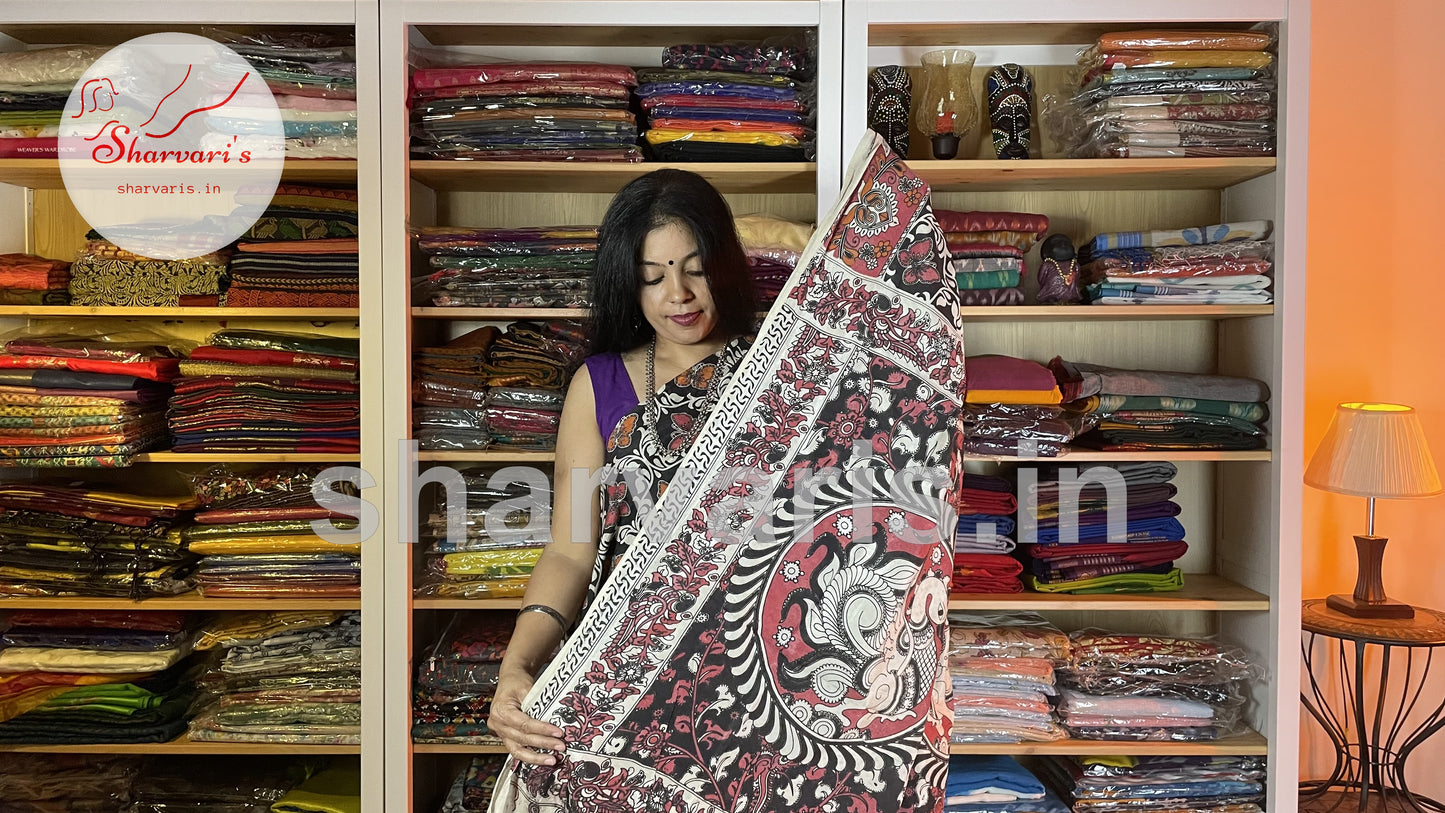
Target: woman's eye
697 273
646 281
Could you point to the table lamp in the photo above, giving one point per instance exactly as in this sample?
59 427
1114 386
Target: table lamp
1376 451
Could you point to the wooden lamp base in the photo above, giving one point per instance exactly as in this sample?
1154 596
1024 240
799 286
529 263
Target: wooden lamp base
1369 599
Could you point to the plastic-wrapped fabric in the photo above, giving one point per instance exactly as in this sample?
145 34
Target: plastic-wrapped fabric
679 102
240 784
470 565
1005 635
507 72
518 93
1164 58
1185 41
780 60
47 66
970 222
235 629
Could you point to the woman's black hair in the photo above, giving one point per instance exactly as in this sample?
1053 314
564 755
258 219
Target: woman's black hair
657 199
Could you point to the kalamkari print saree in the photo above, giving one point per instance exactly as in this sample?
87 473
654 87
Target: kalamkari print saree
773 636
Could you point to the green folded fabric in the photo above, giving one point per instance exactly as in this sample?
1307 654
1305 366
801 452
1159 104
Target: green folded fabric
978 280
1246 410
334 790
1117 583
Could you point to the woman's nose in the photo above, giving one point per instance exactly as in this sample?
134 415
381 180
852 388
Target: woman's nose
675 286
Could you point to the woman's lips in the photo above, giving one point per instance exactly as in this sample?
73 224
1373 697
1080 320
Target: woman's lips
687 319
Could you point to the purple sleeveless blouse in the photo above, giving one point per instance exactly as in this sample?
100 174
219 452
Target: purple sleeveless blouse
612 391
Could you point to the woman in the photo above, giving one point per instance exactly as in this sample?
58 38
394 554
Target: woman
672 304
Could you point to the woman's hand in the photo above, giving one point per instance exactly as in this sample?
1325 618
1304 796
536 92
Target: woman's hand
520 733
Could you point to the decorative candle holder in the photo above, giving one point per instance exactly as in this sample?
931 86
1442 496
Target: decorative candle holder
946 110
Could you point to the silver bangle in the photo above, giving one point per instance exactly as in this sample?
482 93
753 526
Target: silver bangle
542 608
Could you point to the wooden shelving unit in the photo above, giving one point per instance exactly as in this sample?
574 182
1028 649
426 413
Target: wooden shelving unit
44 173
184 745
85 312
185 601
241 458
1074 174
537 176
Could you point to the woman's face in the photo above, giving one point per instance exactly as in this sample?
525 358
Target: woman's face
676 299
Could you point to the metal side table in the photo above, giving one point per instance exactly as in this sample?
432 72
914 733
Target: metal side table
1372 745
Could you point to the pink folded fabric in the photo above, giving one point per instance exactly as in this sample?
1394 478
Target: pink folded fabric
991 221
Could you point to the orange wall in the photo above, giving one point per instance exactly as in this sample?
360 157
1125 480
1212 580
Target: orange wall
1377 286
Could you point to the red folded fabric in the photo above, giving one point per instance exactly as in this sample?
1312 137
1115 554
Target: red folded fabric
148 620
468 75
991 221
600 90
1102 553
31 273
154 370
276 357
329 245
998 372
978 501
965 250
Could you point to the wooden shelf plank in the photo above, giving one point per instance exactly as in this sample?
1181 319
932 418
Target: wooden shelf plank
560 176
1068 174
977 313
1251 744
489 457
889 26
189 601
1092 456
499 314
77 311
243 457
184 745
1202 591
44 173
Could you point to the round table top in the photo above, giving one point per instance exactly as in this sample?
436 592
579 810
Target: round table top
1427 628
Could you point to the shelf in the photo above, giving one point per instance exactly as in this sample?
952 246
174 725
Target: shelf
1110 313
1251 744
1201 592
1091 456
886 28
189 601
977 313
243 457
44 173
1069 174
78 311
499 314
489 457
183 745
560 176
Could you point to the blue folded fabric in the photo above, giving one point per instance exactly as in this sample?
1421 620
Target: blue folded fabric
1133 512
664 111
1167 529
715 89
1003 525
1049 804
970 773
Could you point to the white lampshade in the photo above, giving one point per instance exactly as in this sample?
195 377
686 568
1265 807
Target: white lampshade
1374 450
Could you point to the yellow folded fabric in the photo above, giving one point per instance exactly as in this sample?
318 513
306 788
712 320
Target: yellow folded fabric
296 543
508 587
767 231
662 136
1035 397
334 790
492 563
231 629
201 368
62 659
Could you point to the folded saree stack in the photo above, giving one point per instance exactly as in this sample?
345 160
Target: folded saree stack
1164 94
255 535
34 87
26 279
1188 784
75 676
66 540
1136 557
272 391
488 388
491 551
773 246
312 76
106 275
73 783
996 783
1013 407
239 784
524 111
301 253
984 540
335 789
1152 688
471 791
986 253
1222 264
82 399
1002 669
1139 410
729 103
285 679
455 684
543 267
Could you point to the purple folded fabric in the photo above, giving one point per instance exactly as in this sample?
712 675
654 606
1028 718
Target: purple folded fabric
715 89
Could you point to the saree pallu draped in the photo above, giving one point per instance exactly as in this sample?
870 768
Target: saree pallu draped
750 646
